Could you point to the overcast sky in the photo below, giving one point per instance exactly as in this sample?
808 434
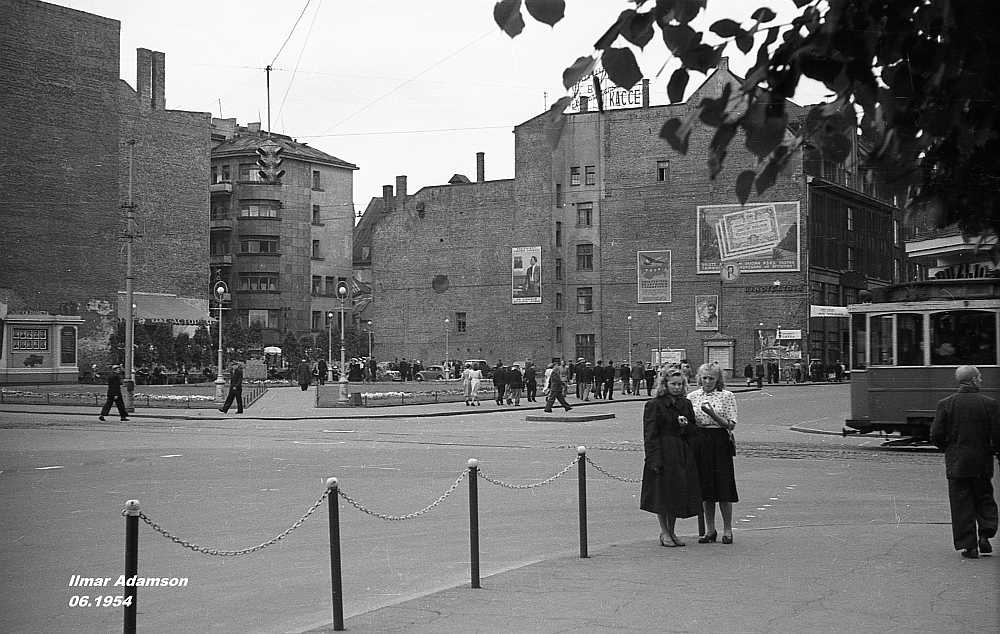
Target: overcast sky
395 87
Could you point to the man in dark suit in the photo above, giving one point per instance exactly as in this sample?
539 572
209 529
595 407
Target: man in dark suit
235 388
530 381
115 394
609 380
577 369
499 381
967 426
598 378
556 391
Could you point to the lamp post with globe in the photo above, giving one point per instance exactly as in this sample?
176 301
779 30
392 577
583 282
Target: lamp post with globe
342 296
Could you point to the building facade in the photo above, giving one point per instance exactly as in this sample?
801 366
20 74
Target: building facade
281 247
638 255
67 122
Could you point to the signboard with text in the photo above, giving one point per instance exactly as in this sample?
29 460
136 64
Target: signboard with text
653 277
760 238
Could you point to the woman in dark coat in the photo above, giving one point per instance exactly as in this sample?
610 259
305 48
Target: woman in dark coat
304 375
669 476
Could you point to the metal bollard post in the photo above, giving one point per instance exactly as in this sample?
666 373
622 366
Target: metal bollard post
337 592
131 563
474 520
581 473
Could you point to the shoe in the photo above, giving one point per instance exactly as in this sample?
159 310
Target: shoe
547 411
984 546
222 410
676 541
239 412
125 420
669 543
727 539
568 408
100 418
970 553
709 538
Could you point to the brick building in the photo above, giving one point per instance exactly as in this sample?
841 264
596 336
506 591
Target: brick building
631 239
67 116
282 248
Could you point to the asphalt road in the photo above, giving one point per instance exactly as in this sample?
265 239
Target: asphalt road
236 483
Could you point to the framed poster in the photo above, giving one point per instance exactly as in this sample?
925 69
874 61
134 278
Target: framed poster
653 277
706 312
762 237
526 275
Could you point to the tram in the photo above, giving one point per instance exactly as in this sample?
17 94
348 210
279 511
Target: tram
906 344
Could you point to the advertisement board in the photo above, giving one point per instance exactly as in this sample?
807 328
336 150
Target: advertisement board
762 238
653 277
526 275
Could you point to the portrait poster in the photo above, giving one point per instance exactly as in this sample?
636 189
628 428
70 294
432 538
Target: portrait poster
706 312
761 237
653 277
526 275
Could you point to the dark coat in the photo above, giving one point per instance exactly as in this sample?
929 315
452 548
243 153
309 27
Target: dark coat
637 373
670 482
114 385
304 373
514 380
236 378
499 376
556 384
585 375
529 375
967 426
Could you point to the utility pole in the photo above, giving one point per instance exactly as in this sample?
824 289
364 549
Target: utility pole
129 290
267 71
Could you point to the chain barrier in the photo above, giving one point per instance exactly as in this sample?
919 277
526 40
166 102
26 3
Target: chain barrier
408 516
623 447
500 483
611 475
233 553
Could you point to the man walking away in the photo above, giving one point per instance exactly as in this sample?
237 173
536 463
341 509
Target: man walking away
515 383
638 372
626 375
556 389
115 394
649 374
967 426
577 374
530 382
235 388
304 375
609 380
499 381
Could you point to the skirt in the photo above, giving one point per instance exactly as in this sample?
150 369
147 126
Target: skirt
715 466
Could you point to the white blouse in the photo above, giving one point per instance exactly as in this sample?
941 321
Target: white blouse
723 401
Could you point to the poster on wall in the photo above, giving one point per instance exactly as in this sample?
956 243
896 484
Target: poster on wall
526 275
779 344
706 312
653 277
762 237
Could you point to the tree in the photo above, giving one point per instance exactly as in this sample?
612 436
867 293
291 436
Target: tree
919 73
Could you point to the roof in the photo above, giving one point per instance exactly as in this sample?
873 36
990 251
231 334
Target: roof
248 143
164 308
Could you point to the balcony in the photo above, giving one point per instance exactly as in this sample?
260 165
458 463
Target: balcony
225 259
220 188
221 224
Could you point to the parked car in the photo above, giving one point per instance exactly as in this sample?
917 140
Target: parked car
387 370
432 373
480 364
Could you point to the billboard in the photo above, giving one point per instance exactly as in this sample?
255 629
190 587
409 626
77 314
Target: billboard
526 275
706 312
652 272
762 237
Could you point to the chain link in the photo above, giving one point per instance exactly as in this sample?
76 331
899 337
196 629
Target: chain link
611 475
623 447
526 486
408 516
232 553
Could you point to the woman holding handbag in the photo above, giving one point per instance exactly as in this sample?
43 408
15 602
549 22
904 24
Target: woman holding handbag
715 414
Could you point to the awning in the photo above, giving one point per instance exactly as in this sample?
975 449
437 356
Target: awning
164 308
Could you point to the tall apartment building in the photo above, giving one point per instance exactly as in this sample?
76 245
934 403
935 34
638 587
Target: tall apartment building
67 118
638 250
281 247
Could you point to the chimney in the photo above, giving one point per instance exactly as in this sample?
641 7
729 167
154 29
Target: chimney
386 198
401 188
144 77
584 103
723 63
480 167
159 76
645 93
253 128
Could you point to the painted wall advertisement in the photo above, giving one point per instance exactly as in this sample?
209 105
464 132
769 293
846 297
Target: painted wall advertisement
762 237
526 275
706 312
653 277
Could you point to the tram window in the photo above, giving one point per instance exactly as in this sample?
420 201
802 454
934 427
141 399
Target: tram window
964 337
881 340
910 338
859 338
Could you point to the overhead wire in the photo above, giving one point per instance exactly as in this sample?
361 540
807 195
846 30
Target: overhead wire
289 36
298 60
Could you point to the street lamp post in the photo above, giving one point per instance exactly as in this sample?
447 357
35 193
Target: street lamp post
447 323
629 320
659 344
329 347
370 332
221 288
342 296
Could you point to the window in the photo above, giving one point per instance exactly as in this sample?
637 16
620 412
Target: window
317 220
850 218
215 174
559 195
585 346
832 295
895 233
896 270
67 345
259 317
330 286
218 213
559 271
816 292
258 211
316 180
962 337
558 234
662 171
559 334
559 304
317 320
259 282
881 340
585 299
259 245
316 253
574 176
910 338
461 322
859 343
584 214
584 257
250 173
317 285
30 339
590 175
219 247
225 174
852 262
